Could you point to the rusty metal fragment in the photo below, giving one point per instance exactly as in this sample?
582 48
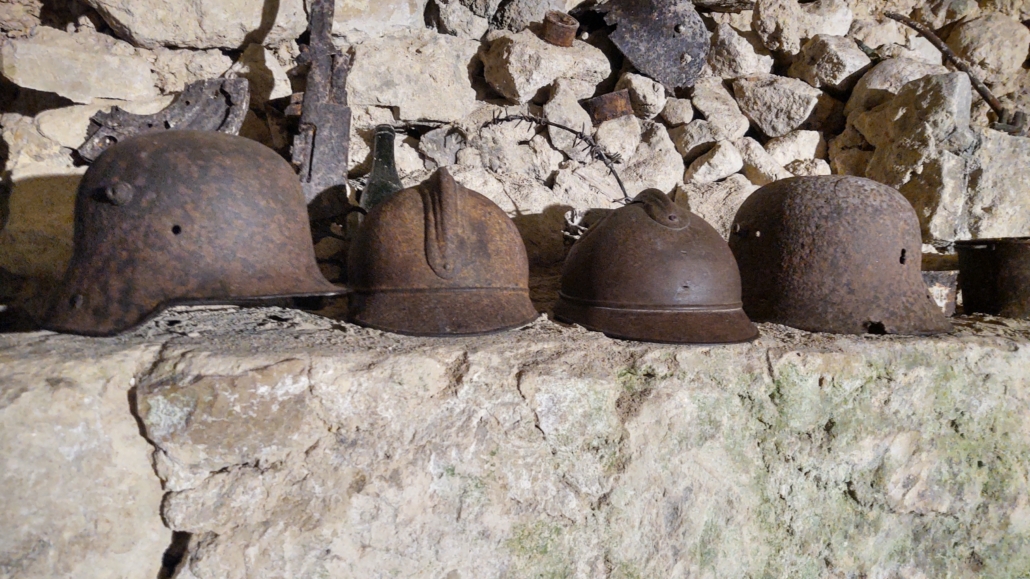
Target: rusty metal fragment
655 272
833 254
994 275
175 217
664 39
560 28
321 147
609 106
206 105
439 260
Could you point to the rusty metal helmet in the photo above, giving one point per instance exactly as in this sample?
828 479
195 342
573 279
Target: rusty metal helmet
438 260
833 254
655 272
178 217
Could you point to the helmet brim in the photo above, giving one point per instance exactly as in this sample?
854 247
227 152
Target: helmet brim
693 326
442 312
114 318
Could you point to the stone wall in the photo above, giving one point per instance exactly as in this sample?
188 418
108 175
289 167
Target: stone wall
287 445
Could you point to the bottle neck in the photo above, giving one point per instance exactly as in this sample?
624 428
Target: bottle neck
383 180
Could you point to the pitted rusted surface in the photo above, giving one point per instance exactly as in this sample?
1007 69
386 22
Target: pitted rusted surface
995 276
560 28
656 272
664 39
833 254
437 260
181 217
609 106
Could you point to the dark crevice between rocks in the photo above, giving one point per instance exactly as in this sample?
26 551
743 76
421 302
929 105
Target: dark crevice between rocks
174 554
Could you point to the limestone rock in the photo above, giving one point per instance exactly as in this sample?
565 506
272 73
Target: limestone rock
647 96
103 67
204 23
428 75
585 187
519 65
363 121
995 44
809 167
177 68
717 106
797 145
997 200
18 18
454 18
266 77
655 164
732 55
784 25
720 162
483 8
677 112
776 105
939 13
695 138
80 498
893 39
850 153
759 166
441 145
716 203
357 20
520 454
619 136
563 107
517 15
884 81
1017 9
831 62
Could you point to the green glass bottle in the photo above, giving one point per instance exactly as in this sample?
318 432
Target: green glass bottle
383 181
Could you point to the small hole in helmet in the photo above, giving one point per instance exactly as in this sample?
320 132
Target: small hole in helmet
176 230
758 234
902 260
673 218
76 301
876 328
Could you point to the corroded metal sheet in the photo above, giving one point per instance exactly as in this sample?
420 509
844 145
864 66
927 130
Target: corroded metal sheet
995 276
206 105
664 39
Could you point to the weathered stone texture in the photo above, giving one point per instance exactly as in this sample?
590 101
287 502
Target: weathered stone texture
295 446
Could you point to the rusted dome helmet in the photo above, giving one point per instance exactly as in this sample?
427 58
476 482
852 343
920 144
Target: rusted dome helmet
438 259
655 272
833 254
178 217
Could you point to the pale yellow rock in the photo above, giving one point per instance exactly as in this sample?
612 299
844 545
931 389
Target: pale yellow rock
355 20
716 203
204 23
77 66
519 65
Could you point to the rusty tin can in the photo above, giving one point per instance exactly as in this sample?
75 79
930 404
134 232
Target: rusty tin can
560 28
994 275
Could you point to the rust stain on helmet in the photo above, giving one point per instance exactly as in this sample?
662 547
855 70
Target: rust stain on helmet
439 260
183 217
655 272
833 254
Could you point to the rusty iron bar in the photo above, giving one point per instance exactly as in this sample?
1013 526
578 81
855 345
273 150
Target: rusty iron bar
596 150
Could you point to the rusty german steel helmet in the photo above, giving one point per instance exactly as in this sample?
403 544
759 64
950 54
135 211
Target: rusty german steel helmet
655 272
438 260
179 217
833 254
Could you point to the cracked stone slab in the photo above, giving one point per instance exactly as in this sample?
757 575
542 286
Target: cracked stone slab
296 445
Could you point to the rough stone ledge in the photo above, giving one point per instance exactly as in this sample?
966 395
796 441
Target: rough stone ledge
289 445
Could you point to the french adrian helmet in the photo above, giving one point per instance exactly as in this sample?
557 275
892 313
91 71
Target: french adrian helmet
438 260
833 254
177 217
653 271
